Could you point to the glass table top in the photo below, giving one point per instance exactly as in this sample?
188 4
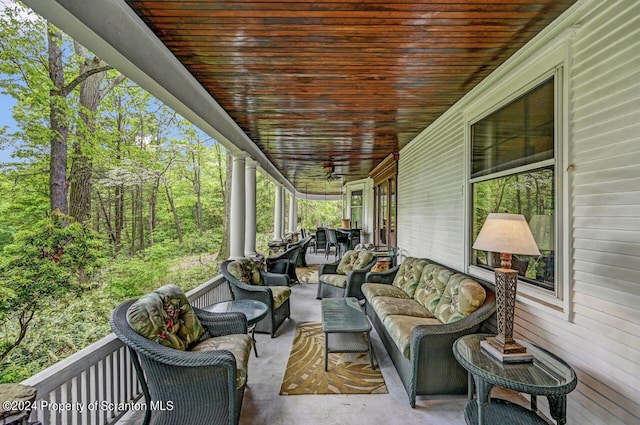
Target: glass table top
343 315
254 310
546 371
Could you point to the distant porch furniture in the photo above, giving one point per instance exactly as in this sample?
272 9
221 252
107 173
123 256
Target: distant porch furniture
193 359
321 239
285 263
332 241
248 281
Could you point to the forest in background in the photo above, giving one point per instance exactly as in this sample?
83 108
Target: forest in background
108 194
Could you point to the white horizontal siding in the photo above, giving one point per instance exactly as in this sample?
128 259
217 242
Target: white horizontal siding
430 181
601 338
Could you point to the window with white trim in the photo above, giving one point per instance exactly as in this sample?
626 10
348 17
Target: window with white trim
513 169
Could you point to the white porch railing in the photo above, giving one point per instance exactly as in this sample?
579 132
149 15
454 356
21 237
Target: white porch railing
98 384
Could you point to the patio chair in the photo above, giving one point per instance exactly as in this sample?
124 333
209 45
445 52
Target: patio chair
321 239
193 359
248 281
332 240
285 263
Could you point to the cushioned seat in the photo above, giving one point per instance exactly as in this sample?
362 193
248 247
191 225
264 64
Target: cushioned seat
372 290
386 306
238 345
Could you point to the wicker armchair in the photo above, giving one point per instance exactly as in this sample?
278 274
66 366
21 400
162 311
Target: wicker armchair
344 278
270 288
285 263
202 387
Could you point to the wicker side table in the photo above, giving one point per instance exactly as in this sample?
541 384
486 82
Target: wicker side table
547 375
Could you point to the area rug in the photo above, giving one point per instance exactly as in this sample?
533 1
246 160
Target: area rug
349 373
308 274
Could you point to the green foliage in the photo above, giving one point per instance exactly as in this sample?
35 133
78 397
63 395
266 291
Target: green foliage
52 259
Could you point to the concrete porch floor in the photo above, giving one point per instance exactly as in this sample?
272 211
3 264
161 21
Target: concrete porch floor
263 405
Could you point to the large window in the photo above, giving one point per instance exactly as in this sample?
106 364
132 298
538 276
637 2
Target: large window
513 170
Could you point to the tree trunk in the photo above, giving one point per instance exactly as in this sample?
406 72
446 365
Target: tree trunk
81 162
153 200
176 219
59 125
197 189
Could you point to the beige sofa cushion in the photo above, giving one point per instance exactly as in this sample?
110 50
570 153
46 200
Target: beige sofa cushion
400 327
339 280
386 306
409 274
461 297
372 290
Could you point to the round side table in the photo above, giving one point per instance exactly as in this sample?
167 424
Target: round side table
254 310
547 375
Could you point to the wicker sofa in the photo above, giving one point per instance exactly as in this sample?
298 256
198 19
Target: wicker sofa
419 309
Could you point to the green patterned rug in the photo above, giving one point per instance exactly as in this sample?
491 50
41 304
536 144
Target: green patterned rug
308 274
349 373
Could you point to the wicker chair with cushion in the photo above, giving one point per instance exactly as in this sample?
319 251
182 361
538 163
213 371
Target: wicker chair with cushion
285 263
345 277
186 358
249 281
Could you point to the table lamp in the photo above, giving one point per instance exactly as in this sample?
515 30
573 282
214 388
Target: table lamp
507 234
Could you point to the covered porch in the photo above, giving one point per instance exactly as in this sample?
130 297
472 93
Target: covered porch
330 136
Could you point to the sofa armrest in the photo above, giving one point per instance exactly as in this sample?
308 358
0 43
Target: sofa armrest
330 268
385 277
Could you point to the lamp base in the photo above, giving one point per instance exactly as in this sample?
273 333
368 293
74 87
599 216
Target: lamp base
519 357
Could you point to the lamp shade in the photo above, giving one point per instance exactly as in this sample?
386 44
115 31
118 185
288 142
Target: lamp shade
506 233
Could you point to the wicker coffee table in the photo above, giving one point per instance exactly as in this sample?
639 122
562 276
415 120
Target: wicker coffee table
346 328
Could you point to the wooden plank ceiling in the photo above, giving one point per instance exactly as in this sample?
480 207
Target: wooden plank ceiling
327 89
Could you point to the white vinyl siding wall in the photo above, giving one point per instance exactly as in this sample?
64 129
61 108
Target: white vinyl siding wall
599 334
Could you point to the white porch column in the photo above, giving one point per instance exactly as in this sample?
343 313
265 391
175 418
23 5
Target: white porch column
293 214
278 216
236 239
283 201
250 228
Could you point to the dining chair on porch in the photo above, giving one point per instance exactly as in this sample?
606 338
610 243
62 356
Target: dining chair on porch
332 240
321 239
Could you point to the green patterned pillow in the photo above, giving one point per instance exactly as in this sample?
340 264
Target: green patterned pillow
166 317
431 286
409 274
461 297
246 270
354 260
